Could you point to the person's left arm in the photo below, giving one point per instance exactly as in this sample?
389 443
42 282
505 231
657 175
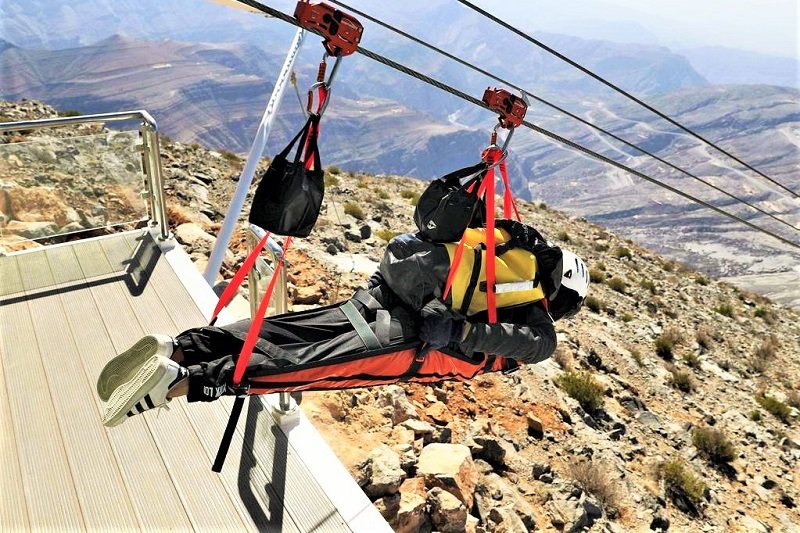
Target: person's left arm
531 341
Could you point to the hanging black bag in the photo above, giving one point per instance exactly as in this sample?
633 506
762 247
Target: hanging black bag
289 196
446 208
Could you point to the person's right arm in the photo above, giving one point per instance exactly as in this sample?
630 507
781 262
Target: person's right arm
531 341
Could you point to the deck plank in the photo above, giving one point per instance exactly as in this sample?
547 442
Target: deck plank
13 511
10 279
280 470
205 499
49 488
153 495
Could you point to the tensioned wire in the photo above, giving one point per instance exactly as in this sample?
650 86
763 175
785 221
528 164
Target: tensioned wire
619 90
542 131
559 109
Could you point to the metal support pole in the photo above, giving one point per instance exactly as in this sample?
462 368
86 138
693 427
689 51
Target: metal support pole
256 150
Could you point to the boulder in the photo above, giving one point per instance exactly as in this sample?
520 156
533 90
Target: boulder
419 427
535 426
31 230
439 413
495 495
449 466
448 513
308 295
380 473
495 450
193 235
394 398
411 516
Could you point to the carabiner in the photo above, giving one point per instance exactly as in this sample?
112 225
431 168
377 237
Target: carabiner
323 85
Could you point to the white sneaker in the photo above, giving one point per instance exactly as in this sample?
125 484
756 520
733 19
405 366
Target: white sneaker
146 390
123 367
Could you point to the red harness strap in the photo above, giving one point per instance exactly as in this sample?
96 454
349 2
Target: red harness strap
238 278
255 326
508 197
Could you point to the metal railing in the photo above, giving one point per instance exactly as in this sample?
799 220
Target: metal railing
258 276
148 130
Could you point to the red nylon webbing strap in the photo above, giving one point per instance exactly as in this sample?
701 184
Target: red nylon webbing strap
508 198
454 265
255 327
322 94
491 303
238 278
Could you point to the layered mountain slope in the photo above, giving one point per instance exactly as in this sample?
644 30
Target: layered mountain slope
671 404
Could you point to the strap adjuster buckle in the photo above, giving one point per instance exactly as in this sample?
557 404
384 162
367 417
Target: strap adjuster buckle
241 390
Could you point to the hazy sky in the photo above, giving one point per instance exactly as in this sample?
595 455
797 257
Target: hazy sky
766 26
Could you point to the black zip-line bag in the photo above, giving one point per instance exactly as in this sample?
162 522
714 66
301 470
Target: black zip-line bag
446 208
289 196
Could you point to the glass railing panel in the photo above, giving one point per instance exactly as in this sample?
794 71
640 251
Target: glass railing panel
52 186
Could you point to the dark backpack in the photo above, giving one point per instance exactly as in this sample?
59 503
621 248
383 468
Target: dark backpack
289 196
446 208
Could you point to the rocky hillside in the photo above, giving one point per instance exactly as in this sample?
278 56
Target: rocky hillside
671 404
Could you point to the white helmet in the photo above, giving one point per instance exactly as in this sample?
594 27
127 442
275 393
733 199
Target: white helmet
568 298
574 273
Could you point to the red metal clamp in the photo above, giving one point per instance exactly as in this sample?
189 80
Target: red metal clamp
511 108
341 32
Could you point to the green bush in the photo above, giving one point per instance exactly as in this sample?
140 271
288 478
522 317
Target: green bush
701 280
626 317
386 235
664 346
616 284
637 356
621 252
354 210
383 195
668 266
543 206
793 398
681 482
582 387
713 445
362 184
563 236
755 415
764 314
775 407
69 113
593 304
333 169
602 247
408 193
725 310
600 265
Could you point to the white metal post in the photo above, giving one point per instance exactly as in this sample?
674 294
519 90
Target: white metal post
256 150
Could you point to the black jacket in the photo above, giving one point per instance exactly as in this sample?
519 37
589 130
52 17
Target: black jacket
525 333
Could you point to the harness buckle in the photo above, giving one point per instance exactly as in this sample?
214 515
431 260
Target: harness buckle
240 391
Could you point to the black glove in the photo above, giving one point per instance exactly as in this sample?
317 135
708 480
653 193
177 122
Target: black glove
521 236
440 325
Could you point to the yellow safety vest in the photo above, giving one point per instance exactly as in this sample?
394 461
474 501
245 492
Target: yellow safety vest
516 282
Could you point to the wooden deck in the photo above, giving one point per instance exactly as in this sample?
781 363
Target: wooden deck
64 311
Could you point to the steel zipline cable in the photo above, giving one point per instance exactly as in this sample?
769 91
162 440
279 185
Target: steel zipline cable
559 109
619 90
566 142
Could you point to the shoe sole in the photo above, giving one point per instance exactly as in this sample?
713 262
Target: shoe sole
123 367
128 394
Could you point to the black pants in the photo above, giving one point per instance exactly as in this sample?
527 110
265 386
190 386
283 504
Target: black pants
291 339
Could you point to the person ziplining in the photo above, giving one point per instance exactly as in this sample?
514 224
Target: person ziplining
465 295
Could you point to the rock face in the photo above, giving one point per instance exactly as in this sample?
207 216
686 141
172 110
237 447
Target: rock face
450 467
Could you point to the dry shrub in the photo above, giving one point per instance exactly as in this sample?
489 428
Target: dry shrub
703 339
354 210
793 398
595 479
775 407
713 445
177 215
564 359
680 380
